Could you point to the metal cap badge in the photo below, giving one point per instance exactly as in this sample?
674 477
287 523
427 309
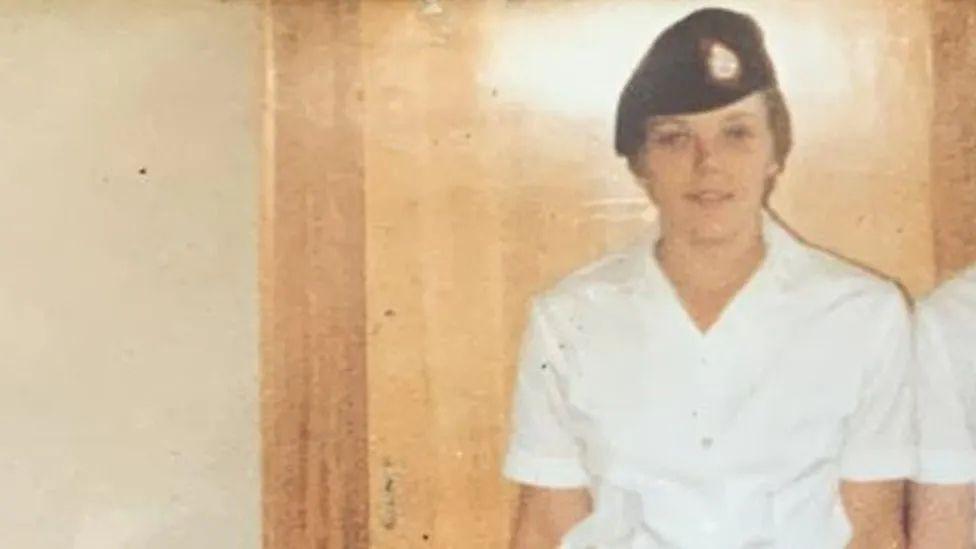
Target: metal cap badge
723 63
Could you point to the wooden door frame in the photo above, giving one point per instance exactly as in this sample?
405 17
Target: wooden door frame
315 478
953 142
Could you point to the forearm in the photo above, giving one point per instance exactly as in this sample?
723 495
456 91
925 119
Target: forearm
876 511
535 528
879 538
531 536
544 516
941 516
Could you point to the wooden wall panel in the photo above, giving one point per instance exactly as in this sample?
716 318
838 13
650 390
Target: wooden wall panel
858 80
434 283
312 282
464 218
954 134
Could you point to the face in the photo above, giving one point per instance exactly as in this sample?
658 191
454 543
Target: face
707 172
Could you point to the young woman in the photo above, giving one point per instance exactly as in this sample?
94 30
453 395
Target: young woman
942 503
719 384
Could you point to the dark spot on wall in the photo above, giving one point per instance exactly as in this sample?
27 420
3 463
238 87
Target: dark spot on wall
426 537
143 171
388 507
389 313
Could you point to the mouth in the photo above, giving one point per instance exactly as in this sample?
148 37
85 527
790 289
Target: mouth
709 197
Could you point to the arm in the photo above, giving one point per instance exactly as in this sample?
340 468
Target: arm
543 453
875 510
941 516
879 451
941 497
544 515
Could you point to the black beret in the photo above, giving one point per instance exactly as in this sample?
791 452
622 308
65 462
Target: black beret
711 58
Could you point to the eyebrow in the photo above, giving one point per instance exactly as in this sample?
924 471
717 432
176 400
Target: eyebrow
740 114
664 120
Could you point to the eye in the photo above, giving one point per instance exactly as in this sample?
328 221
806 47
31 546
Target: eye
739 132
670 138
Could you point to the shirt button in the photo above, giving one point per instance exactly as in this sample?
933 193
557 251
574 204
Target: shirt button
707 442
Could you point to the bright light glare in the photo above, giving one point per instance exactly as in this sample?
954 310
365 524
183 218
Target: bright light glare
572 59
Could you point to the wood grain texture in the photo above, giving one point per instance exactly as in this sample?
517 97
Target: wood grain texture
859 85
312 282
954 134
471 196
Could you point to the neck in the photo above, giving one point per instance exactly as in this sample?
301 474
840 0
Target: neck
711 265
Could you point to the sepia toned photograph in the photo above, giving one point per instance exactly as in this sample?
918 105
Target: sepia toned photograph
501 274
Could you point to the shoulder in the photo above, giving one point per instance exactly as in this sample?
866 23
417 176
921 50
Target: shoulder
954 300
826 277
613 274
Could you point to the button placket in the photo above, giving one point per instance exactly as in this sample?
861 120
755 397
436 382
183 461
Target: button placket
710 389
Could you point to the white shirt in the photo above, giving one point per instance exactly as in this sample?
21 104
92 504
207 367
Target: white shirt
730 439
946 408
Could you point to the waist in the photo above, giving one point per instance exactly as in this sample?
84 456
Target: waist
632 510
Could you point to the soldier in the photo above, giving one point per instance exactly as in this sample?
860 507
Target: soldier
719 384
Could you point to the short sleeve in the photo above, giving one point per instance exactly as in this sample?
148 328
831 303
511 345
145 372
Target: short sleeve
542 451
880 434
945 447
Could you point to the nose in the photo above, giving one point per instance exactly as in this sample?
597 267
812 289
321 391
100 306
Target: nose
704 154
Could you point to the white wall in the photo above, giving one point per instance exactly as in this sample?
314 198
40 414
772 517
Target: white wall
128 305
